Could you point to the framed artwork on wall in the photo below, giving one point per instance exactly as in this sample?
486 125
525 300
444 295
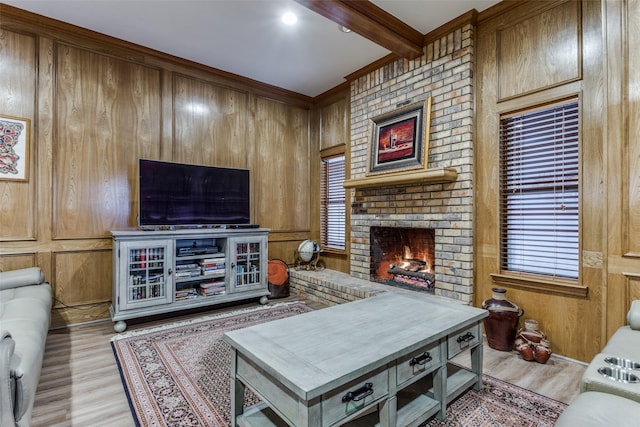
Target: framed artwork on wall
14 148
400 139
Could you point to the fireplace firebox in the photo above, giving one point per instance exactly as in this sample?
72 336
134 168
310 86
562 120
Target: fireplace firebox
403 257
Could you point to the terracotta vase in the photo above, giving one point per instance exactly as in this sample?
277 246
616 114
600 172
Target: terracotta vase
531 332
541 353
532 343
502 324
525 351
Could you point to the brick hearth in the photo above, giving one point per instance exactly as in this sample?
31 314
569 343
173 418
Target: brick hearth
332 287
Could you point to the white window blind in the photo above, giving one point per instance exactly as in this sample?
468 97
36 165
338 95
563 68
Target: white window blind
333 208
540 191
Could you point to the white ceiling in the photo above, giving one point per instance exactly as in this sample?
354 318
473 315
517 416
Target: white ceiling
246 37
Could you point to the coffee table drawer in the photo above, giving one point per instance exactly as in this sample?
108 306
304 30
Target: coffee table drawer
364 392
463 339
418 362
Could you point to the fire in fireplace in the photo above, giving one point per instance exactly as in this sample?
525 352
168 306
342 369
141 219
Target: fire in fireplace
403 257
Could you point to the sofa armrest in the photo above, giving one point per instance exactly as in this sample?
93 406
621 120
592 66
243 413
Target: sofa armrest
21 277
633 316
7 381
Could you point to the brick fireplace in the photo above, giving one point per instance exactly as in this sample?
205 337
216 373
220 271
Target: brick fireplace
403 257
444 72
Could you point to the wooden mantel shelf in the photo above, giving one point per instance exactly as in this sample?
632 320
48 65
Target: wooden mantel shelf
421 176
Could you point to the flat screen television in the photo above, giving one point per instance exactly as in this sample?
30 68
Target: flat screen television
178 194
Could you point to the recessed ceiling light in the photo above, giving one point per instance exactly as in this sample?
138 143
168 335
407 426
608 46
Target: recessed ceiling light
289 18
344 29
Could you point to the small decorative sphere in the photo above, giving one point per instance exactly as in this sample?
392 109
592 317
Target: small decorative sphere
306 250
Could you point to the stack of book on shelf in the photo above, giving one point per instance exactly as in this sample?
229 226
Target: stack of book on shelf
213 267
187 293
184 271
212 288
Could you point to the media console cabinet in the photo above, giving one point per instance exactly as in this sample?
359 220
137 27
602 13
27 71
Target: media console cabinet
157 272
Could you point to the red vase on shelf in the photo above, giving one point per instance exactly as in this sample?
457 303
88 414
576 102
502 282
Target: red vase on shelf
502 324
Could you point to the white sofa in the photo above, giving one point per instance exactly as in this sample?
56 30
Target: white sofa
25 314
604 401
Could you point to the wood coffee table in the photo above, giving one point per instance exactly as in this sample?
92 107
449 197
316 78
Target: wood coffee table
378 361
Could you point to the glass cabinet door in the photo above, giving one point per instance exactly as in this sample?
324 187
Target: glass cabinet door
248 266
147 269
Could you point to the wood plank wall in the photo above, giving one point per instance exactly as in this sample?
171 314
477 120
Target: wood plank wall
622 158
96 105
543 51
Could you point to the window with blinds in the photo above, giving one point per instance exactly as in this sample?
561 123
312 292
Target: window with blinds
540 190
333 203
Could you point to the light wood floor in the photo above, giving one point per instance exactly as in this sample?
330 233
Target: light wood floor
80 384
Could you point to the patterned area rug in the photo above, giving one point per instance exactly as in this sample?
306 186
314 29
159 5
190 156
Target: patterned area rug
500 404
178 375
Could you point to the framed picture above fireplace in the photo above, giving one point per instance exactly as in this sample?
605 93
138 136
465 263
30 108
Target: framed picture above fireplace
400 139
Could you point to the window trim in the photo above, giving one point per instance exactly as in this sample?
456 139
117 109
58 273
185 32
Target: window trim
531 281
325 155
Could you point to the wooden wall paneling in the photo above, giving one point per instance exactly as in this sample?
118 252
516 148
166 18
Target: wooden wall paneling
573 324
209 123
486 164
166 138
631 150
251 149
315 141
18 67
567 321
17 261
623 198
543 50
44 155
284 251
282 166
634 289
97 104
283 244
82 277
334 120
82 285
334 131
593 227
616 60
107 116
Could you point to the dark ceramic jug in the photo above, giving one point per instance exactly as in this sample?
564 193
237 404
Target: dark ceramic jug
502 324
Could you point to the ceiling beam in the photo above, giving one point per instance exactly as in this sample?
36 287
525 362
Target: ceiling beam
371 22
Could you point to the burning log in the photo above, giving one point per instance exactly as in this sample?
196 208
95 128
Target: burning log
424 275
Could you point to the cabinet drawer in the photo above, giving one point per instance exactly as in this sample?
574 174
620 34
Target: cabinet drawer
364 392
418 362
463 339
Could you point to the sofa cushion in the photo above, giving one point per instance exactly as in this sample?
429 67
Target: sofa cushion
593 409
24 315
21 277
624 343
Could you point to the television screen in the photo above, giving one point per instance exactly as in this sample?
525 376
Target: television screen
174 194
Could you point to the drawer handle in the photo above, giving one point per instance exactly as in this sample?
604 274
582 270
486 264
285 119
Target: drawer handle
359 394
421 360
466 337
